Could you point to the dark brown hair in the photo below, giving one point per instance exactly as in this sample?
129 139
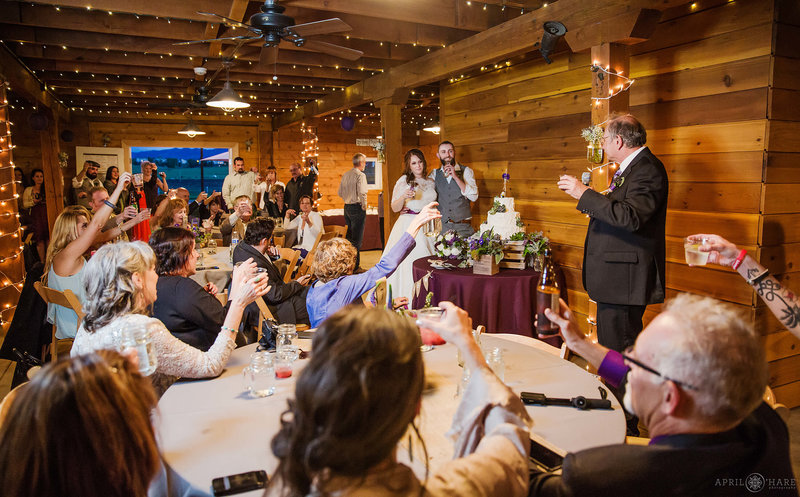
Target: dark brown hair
172 246
353 401
410 178
81 427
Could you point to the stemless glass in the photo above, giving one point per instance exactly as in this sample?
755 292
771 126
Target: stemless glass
433 314
259 376
138 339
138 180
691 250
284 342
433 227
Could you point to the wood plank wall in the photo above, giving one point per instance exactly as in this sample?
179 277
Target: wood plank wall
336 150
719 99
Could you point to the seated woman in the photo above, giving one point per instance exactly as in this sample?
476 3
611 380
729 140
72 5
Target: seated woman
335 261
189 311
308 225
359 394
172 212
287 301
94 409
74 233
277 208
120 285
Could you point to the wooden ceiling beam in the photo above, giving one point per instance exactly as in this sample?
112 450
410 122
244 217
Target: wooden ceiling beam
378 29
129 90
26 84
445 13
506 40
96 21
236 11
159 62
159 8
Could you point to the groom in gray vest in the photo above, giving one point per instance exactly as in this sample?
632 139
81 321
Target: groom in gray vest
455 189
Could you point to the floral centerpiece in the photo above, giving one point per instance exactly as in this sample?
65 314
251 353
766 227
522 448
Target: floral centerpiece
450 245
594 135
486 249
201 237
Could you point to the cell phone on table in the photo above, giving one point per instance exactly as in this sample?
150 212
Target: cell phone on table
544 457
237 484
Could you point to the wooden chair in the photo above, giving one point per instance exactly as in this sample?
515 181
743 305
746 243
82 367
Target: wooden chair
263 313
222 297
279 241
339 231
291 256
305 267
64 299
329 235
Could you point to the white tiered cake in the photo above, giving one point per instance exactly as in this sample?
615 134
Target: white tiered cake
503 223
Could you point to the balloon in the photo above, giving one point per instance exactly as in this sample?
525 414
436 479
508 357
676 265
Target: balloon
348 123
67 135
38 121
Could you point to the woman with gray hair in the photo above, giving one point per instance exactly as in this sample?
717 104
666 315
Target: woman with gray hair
120 285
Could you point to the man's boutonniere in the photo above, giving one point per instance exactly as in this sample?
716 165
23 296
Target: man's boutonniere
618 181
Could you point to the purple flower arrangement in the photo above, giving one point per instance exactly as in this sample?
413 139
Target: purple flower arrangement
486 243
450 246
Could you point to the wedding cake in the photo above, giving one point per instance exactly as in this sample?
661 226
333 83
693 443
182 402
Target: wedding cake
502 218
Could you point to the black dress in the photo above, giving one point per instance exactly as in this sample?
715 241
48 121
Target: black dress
190 313
274 211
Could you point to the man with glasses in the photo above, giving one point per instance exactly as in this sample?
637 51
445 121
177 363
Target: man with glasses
695 377
624 253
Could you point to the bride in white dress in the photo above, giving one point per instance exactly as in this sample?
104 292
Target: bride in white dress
413 191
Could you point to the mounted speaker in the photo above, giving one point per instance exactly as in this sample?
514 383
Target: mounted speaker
553 31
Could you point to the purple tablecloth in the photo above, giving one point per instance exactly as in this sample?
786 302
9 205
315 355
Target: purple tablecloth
372 234
504 303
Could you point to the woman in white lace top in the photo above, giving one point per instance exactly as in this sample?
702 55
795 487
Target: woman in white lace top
120 284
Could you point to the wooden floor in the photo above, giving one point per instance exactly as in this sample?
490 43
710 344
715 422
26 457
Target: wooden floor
369 259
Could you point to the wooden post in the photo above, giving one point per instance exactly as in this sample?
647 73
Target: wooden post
613 57
392 131
264 147
53 176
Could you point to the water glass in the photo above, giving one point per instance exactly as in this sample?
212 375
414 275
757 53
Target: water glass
495 360
691 249
259 376
212 247
287 333
138 180
476 335
138 339
284 360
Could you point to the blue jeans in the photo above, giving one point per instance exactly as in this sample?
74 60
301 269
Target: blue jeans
354 218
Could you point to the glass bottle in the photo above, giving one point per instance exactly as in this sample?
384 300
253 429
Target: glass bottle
547 294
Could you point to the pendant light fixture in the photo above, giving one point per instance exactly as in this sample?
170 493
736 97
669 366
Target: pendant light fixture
227 99
191 130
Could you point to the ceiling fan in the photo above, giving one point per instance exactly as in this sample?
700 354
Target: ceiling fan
198 101
272 26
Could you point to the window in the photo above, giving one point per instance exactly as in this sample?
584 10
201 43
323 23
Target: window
196 169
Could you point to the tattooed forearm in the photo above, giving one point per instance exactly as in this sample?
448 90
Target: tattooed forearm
781 301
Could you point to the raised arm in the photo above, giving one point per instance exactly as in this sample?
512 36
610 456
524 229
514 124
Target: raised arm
67 261
426 214
780 299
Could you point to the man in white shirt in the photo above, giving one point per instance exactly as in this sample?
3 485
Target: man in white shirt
455 189
308 225
238 183
353 190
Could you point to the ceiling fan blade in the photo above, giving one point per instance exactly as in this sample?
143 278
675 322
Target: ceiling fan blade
218 39
268 57
334 25
229 22
331 49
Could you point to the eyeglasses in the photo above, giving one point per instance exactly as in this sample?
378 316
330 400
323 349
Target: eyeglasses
627 356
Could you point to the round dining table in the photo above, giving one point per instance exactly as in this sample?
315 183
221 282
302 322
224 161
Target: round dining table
213 428
504 302
214 267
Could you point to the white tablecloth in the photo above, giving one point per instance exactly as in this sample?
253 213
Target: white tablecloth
220 276
212 428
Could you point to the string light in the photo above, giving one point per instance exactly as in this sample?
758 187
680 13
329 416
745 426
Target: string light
624 86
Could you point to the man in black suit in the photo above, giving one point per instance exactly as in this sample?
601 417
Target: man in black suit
287 301
624 252
696 378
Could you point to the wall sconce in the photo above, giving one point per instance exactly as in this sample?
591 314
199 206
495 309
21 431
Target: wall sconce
553 31
248 144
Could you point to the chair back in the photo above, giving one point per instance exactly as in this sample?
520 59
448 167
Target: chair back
65 299
305 267
263 313
329 235
279 240
222 297
339 231
379 291
291 256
